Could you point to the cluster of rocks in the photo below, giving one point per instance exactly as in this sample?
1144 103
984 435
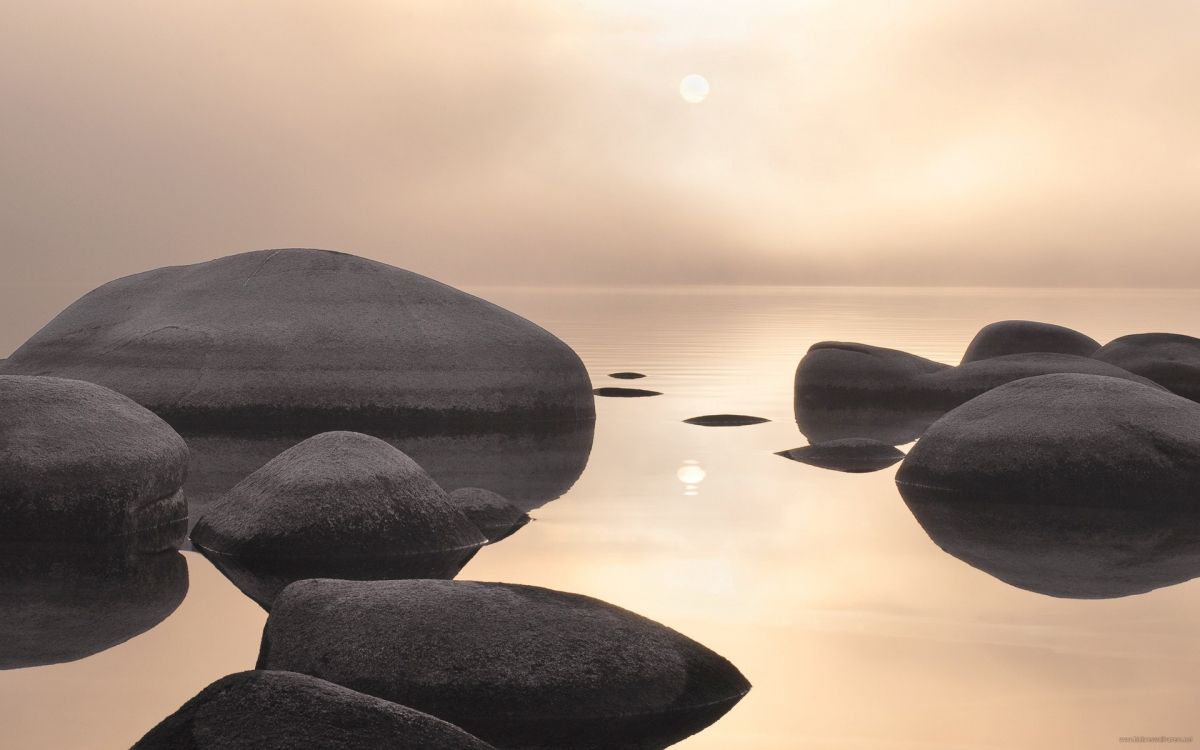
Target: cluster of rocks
1045 459
274 365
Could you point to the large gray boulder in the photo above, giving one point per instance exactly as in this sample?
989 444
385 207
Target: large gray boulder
309 339
492 514
80 463
1169 359
288 711
518 666
1027 337
340 504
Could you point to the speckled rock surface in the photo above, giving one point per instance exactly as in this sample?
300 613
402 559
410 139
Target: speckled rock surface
309 338
264 710
852 455
81 463
518 666
1067 440
1026 337
63 603
1169 359
492 514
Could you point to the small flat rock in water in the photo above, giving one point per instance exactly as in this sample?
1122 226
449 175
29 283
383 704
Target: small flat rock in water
852 455
615 392
495 516
264 710
79 462
626 375
1172 360
725 420
518 666
1026 337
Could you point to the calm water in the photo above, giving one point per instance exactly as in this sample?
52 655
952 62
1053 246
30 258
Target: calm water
856 630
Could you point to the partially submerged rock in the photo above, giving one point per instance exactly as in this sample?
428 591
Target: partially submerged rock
339 504
725 420
626 375
1169 359
518 666
853 455
309 340
615 392
265 710
81 463
492 514
1027 337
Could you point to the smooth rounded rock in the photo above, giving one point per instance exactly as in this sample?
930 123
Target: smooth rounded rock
79 462
1069 440
1026 337
626 375
617 392
266 710
1169 359
852 455
725 420
309 339
517 666
492 514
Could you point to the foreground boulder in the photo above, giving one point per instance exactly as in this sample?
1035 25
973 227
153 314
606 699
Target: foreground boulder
81 463
1169 359
518 666
289 711
1027 337
292 339
852 455
1066 440
494 516
339 504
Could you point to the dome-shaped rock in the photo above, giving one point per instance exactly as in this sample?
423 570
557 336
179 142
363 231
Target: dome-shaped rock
852 455
339 504
493 515
309 338
287 711
1025 337
518 666
1169 359
81 463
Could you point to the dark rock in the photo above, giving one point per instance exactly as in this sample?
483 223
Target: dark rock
892 426
613 392
1026 337
289 711
340 504
306 341
496 517
1169 359
626 375
61 603
725 420
853 455
81 463
518 666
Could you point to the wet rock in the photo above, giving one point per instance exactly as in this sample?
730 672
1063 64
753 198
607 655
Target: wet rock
265 710
626 375
1026 337
81 463
852 455
518 666
958 385
309 340
340 504
725 420
898 425
1069 440
493 515
613 392
1169 359
60 603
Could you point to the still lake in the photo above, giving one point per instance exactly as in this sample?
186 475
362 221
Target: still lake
856 630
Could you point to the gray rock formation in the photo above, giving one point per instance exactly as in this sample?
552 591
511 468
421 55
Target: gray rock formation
493 515
1027 337
1169 359
517 666
289 711
852 455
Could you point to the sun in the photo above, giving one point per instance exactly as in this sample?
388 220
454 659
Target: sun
694 88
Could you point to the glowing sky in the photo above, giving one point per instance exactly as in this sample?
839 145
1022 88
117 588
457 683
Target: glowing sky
545 141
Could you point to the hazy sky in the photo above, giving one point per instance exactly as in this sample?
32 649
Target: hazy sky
873 141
